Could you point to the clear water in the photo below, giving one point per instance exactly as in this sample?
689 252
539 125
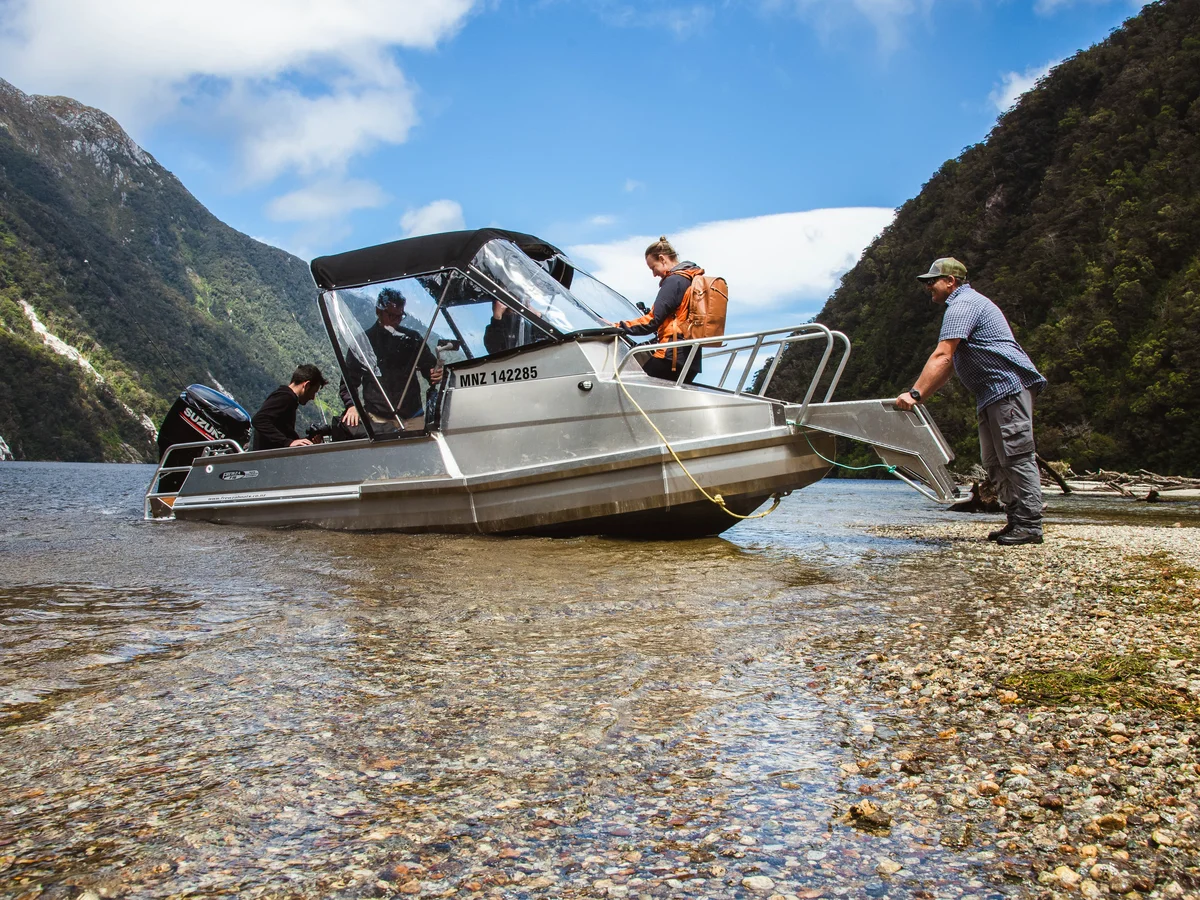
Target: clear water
198 709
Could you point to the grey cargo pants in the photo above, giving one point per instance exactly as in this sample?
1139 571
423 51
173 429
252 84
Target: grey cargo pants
1006 444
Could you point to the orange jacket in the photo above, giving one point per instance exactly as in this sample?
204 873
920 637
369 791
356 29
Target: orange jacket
668 316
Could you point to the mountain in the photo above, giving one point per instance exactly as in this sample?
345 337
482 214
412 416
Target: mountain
118 289
1079 215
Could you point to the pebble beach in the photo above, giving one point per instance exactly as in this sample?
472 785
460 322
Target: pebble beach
857 697
1016 742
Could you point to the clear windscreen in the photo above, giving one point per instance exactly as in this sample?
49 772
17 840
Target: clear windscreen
388 347
503 265
602 300
481 323
393 336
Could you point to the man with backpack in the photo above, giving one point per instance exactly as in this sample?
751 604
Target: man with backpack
668 319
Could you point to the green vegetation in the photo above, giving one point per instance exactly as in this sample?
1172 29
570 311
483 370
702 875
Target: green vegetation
1080 217
1110 680
122 263
1163 572
1161 584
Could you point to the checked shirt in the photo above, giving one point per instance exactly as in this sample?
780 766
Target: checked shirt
988 360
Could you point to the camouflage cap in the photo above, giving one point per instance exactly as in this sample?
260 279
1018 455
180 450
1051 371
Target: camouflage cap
947 265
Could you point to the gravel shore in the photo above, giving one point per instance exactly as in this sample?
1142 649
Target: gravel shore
817 707
1058 730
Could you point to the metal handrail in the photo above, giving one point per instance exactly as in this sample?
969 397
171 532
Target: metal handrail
755 342
163 469
837 375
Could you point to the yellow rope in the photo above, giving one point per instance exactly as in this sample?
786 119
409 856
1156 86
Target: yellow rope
715 498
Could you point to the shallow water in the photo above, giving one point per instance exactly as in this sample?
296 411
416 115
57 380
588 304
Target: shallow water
214 710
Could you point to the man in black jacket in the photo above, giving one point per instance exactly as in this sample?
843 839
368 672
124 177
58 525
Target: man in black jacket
395 391
275 422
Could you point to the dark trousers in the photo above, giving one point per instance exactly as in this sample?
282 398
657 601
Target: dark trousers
1009 455
668 368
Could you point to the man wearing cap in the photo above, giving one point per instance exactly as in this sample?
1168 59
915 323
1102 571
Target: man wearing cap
275 422
977 342
394 393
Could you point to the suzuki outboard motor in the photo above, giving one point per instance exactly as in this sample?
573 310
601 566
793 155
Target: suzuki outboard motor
200 414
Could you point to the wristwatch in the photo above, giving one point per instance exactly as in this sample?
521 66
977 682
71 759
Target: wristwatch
915 394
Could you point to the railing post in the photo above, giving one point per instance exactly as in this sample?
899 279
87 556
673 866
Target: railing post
695 348
837 375
728 365
749 363
762 391
812 385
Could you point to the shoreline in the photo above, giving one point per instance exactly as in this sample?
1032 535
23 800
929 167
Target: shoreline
1090 795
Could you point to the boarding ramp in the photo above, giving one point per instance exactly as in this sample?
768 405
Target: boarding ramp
910 441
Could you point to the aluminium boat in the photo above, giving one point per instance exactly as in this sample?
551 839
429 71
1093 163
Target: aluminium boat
544 421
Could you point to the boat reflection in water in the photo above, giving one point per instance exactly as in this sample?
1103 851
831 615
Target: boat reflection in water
544 422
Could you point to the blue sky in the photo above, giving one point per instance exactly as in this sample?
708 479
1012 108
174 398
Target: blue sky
771 139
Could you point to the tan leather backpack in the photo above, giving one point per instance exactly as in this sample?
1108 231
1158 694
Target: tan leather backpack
705 302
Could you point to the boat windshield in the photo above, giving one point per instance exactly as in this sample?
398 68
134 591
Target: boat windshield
606 303
580 304
387 348
393 335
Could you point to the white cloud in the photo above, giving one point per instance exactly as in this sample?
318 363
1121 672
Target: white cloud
770 262
440 215
283 130
327 199
141 60
1047 7
632 184
1012 85
886 17
602 220
681 21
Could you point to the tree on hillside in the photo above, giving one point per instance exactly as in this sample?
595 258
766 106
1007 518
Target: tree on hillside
1079 215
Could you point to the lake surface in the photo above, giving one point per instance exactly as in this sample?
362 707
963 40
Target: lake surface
205 710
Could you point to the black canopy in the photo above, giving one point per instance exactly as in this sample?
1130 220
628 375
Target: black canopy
416 256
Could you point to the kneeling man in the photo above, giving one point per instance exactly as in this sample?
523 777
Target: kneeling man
275 422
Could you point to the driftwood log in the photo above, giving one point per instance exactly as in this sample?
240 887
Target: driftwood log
983 498
1045 467
1141 477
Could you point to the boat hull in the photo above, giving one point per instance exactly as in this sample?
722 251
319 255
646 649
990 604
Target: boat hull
640 495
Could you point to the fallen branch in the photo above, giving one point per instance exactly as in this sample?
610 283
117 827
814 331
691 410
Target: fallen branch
1120 490
1045 466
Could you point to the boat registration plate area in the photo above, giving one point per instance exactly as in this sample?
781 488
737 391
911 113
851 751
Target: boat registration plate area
498 375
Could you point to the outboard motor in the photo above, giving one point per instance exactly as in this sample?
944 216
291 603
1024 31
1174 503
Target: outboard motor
200 414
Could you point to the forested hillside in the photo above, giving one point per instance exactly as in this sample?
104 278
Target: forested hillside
112 255
1079 215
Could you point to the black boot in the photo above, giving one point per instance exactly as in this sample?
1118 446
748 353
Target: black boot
1019 536
999 532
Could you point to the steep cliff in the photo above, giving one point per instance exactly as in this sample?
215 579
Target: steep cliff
118 288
